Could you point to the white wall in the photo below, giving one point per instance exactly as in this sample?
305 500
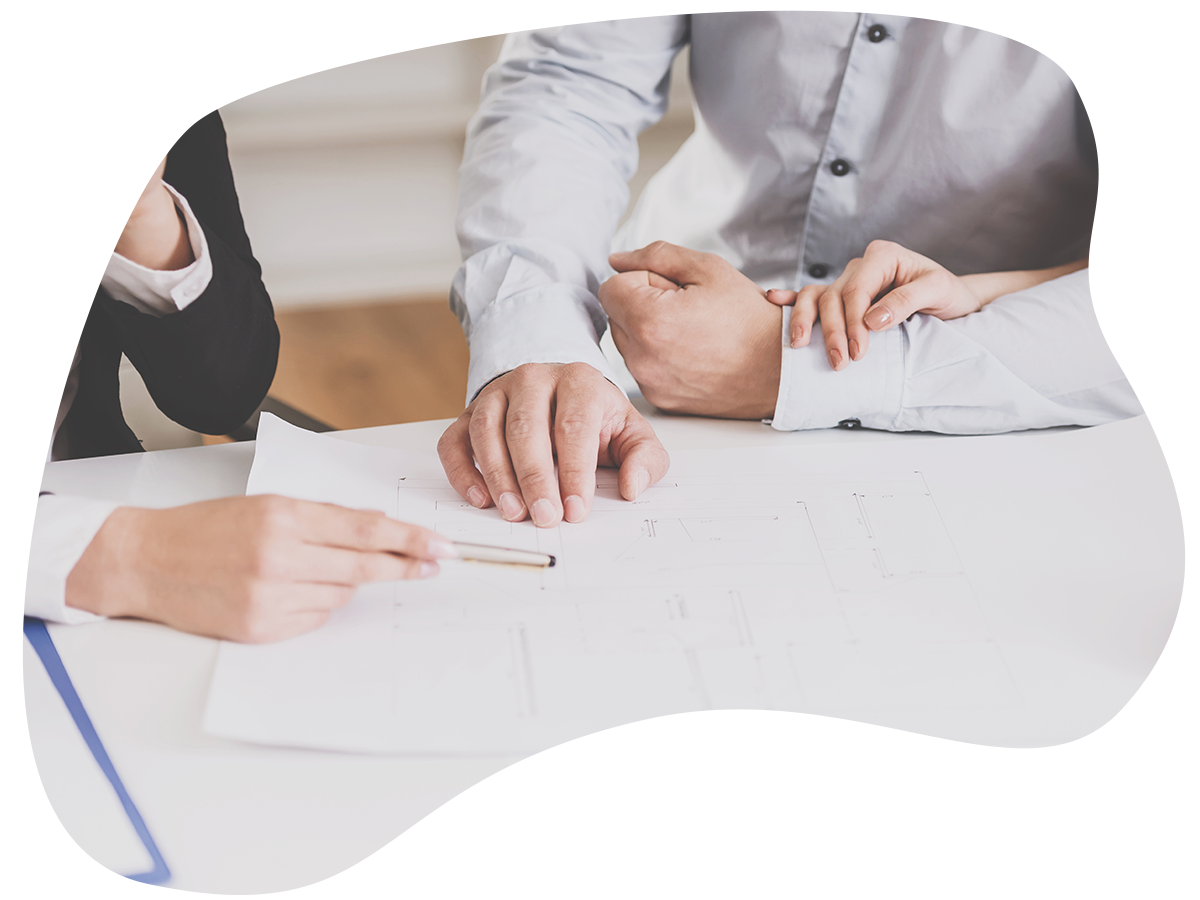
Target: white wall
348 177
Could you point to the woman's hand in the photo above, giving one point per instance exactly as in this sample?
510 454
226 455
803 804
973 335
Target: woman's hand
101 115
252 569
885 286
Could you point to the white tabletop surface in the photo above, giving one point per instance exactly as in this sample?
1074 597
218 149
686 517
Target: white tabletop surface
234 817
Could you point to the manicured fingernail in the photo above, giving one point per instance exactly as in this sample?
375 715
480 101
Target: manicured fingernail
543 513
428 569
477 497
835 358
877 317
798 341
440 548
854 350
573 509
510 506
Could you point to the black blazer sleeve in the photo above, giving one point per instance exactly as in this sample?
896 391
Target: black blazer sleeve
210 365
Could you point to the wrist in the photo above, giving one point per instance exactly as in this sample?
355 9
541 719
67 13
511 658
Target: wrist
768 350
104 580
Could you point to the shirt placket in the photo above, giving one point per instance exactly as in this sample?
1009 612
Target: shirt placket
836 201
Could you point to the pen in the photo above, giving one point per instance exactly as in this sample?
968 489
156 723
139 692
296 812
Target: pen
482 553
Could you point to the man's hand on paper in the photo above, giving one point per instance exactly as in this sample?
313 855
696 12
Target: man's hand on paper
694 332
101 115
522 421
251 569
885 286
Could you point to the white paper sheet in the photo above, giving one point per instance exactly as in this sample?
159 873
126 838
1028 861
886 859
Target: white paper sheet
917 584
73 827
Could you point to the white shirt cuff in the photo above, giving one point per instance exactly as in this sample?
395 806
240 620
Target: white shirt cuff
156 292
62 530
812 395
535 326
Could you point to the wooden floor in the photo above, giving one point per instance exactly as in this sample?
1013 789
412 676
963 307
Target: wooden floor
354 366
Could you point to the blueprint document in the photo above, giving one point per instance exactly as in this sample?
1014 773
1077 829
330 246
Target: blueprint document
839 579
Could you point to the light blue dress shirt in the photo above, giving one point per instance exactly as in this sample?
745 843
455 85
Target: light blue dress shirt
816 134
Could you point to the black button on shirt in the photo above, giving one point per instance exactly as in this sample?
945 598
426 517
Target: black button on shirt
876 33
839 167
818 270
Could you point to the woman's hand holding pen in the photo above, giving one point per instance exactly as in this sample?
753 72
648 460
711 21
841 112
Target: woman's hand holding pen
252 569
101 115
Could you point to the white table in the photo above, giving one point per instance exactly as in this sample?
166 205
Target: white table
234 817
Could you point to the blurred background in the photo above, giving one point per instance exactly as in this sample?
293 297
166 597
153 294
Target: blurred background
348 185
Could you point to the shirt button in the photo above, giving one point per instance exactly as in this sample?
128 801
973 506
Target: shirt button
818 271
839 167
876 33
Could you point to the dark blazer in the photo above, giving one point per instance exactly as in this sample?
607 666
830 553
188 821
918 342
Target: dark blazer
207 367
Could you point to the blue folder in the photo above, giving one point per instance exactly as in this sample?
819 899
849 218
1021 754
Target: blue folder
35 630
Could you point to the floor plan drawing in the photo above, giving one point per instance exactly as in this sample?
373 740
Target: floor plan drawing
824 582
706 593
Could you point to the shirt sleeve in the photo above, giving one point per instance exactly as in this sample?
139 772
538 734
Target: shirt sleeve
544 183
62 530
1032 359
156 292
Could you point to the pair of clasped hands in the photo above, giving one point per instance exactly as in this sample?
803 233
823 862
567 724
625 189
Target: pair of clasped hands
700 338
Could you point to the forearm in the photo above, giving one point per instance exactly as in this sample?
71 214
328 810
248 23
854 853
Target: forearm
544 182
155 235
987 286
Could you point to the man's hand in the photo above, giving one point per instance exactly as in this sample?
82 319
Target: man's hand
252 569
101 115
522 421
694 332
885 286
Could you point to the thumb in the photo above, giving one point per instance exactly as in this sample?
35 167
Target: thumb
642 458
681 265
781 297
896 306
628 293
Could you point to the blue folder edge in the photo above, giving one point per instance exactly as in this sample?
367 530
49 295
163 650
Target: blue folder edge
39 637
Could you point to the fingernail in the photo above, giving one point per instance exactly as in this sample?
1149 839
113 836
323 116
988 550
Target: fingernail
477 498
641 481
877 317
428 569
854 350
510 506
543 513
835 358
798 341
573 509
440 548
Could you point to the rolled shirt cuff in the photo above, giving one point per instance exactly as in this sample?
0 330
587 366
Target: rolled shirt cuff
540 325
156 292
62 529
813 395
